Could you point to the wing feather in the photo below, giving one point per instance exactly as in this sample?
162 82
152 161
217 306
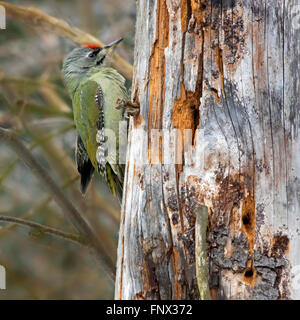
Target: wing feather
84 165
91 130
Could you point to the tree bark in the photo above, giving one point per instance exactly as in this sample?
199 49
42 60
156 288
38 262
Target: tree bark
221 79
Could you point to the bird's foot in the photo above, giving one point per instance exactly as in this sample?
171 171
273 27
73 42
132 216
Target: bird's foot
131 108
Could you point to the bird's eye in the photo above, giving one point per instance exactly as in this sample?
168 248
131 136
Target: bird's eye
94 53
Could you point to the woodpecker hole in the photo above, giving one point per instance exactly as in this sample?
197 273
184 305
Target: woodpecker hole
246 219
249 273
250 276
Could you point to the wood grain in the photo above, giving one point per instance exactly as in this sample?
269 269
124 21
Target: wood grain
236 63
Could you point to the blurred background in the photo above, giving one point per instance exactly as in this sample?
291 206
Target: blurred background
34 103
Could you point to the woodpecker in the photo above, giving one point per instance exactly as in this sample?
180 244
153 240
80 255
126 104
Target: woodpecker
95 88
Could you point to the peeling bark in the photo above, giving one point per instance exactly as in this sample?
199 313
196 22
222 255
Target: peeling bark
224 74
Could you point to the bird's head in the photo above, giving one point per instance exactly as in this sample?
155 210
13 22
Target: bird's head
83 58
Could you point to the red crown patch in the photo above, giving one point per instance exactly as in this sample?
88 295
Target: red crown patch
92 46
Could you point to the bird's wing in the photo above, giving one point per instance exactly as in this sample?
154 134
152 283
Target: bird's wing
91 119
84 165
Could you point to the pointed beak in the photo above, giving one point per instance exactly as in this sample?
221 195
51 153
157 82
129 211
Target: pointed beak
110 47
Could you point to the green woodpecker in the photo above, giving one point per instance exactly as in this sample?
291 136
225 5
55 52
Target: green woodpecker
95 88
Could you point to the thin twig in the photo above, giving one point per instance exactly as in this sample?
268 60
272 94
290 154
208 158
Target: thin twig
71 213
46 229
48 136
36 17
29 83
65 167
42 205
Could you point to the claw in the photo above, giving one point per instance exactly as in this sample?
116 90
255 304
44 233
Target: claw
131 108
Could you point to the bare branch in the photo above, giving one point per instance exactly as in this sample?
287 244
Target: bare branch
76 238
42 205
45 138
30 84
71 213
36 17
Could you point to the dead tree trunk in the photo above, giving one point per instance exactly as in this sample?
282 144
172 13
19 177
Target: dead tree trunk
228 72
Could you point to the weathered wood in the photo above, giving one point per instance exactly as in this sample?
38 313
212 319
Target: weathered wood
202 269
228 72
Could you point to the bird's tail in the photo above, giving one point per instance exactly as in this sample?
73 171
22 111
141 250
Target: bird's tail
115 182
